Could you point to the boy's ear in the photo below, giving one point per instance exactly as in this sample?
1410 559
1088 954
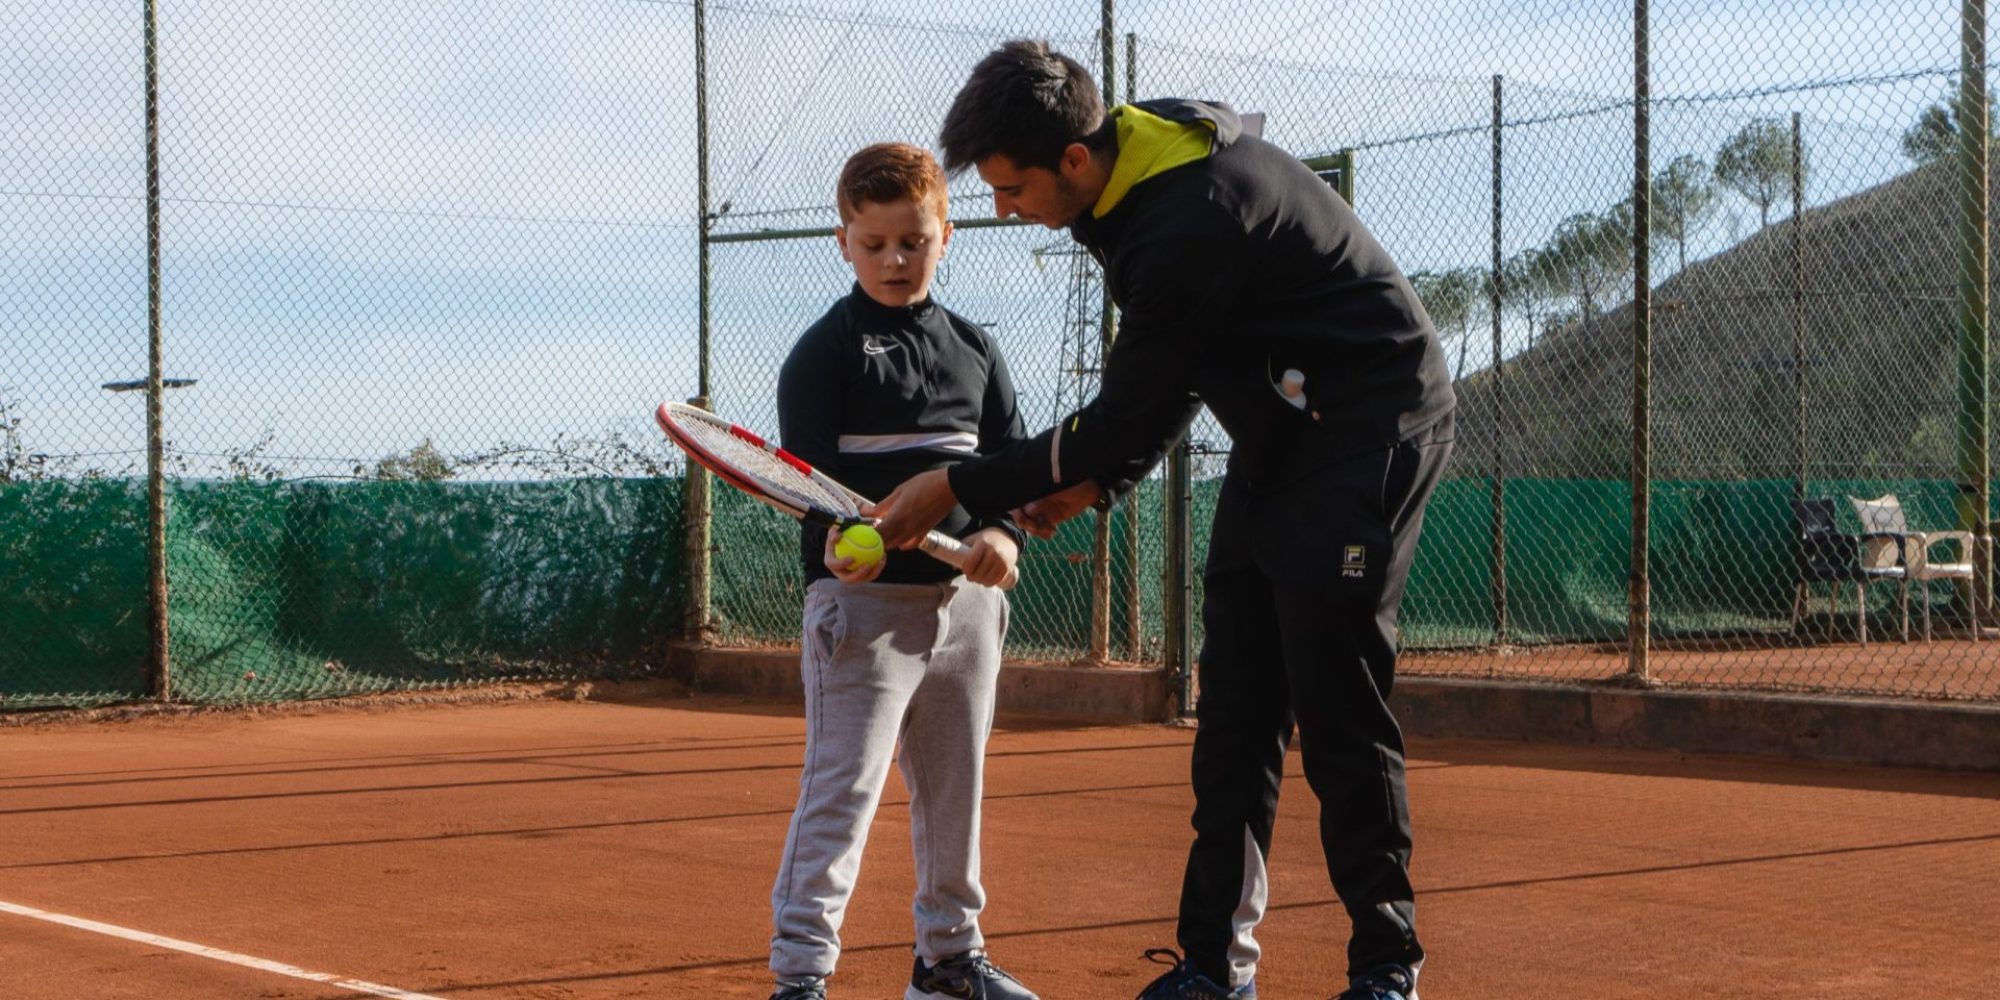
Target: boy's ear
944 236
840 237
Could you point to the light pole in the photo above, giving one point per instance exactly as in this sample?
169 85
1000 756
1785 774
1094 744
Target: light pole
139 385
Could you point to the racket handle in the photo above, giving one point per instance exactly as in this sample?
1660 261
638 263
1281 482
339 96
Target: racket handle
948 549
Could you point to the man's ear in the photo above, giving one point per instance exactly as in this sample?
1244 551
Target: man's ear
1076 160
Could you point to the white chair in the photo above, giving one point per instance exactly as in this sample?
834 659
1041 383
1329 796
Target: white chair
1883 517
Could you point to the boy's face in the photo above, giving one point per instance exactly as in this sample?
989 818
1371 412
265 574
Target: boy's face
895 248
1053 198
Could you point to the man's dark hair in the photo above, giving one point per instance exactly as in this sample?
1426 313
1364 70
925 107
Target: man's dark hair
1027 102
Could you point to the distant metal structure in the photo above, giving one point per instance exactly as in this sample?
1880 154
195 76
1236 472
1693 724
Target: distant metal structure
1337 170
1087 332
1081 356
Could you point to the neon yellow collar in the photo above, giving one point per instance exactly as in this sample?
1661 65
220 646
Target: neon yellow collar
1149 145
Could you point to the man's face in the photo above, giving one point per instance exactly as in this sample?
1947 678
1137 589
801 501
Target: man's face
1036 194
895 248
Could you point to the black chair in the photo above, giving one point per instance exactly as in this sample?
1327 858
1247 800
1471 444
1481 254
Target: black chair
1822 553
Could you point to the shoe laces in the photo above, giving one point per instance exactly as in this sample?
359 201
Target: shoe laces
810 989
1392 982
1162 956
972 966
1191 984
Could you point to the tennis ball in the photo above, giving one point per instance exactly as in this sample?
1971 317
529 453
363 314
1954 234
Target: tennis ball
861 544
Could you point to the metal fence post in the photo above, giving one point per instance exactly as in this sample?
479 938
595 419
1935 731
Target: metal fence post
160 680
1639 600
1496 298
1100 547
1135 632
1179 597
695 506
1804 443
1975 473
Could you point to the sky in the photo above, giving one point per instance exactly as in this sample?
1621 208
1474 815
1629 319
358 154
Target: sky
474 223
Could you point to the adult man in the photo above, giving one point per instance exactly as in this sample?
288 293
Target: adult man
1235 270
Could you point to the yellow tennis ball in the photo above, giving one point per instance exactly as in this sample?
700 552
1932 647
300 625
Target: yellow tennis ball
861 544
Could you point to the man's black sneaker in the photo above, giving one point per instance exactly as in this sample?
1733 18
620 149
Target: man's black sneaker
1383 982
1182 982
964 977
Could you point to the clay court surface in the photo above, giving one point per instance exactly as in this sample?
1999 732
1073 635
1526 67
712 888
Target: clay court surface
1947 668
625 849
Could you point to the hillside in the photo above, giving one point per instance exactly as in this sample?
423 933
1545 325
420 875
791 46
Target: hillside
1879 321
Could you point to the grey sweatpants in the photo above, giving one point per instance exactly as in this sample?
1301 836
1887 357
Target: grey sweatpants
887 664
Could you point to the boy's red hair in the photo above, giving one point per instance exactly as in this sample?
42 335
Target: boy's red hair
889 172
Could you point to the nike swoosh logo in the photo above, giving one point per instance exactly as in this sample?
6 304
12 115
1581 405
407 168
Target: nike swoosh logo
873 346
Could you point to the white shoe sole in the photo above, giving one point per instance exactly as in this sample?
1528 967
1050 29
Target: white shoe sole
912 993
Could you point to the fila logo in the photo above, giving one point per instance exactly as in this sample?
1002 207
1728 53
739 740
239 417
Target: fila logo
871 345
1354 562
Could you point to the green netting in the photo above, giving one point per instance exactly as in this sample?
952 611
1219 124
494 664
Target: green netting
373 585
1721 558
73 567
298 590
308 590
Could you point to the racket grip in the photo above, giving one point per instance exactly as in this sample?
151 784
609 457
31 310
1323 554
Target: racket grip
948 549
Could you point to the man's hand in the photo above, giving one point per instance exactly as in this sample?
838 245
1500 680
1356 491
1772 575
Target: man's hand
1040 517
913 509
994 553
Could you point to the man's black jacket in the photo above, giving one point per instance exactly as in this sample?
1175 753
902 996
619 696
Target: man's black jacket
1226 272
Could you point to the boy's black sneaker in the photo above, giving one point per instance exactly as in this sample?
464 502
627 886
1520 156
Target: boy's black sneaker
1383 982
1182 982
964 977
805 989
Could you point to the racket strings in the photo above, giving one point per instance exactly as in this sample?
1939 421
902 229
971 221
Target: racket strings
764 468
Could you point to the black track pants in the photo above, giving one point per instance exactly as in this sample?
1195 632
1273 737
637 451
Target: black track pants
1303 585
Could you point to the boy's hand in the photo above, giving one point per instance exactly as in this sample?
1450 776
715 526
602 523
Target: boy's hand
994 553
843 567
1040 517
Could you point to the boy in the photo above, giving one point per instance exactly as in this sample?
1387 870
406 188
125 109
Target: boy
903 650
1235 268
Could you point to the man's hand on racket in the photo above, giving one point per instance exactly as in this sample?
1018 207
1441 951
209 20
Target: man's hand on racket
843 567
994 553
1040 517
913 508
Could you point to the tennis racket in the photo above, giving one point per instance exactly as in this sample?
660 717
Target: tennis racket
783 480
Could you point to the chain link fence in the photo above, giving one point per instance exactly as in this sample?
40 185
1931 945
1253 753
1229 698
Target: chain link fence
420 269
424 270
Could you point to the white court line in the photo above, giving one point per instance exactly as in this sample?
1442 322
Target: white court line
204 951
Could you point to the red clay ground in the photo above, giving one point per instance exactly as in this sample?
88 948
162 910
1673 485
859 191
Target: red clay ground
560 850
1949 667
